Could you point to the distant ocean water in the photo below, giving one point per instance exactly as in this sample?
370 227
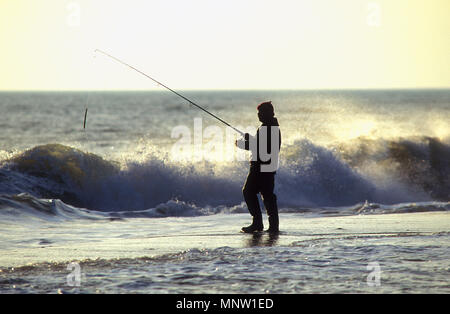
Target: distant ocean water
344 153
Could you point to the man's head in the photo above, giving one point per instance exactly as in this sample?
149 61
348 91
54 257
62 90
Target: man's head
265 111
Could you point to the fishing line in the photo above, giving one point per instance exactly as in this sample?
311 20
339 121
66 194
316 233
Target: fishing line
87 100
86 110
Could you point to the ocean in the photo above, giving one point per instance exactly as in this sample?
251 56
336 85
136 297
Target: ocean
147 197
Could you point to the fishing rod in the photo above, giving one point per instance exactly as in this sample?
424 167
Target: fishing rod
168 88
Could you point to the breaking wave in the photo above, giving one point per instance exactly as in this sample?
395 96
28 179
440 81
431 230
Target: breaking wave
363 176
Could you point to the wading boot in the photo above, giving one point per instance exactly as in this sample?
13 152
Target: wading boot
273 224
256 226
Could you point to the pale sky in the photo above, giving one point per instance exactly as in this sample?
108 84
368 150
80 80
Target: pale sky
212 44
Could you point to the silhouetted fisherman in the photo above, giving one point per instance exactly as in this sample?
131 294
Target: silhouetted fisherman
265 148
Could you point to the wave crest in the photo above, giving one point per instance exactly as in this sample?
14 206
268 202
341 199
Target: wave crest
310 175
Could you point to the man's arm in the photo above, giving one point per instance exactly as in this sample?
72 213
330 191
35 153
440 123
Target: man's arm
243 143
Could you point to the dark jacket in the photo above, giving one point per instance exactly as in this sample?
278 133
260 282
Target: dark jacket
263 155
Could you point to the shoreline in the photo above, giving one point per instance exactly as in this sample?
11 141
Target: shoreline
153 237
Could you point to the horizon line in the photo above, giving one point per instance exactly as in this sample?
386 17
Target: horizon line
230 89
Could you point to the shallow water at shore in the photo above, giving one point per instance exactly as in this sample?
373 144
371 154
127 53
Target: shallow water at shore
208 255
